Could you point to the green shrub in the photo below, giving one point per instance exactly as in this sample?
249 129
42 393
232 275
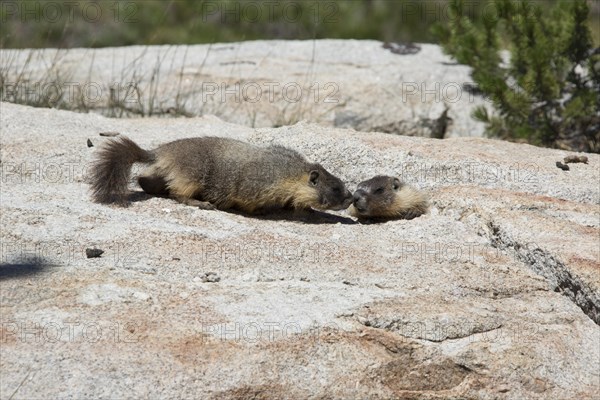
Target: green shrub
546 90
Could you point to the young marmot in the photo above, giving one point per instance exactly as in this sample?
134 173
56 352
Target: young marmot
385 197
214 172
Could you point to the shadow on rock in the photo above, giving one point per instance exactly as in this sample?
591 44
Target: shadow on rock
23 269
134 197
303 216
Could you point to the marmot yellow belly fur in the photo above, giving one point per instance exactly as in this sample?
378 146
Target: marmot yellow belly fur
386 197
214 172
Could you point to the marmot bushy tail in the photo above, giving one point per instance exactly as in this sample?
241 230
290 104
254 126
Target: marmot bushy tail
213 172
111 171
386 197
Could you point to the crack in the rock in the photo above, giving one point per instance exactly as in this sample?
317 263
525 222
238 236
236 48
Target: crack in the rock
482 331
435 333
559 278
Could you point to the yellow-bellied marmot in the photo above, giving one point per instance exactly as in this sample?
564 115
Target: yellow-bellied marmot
214 172
386 197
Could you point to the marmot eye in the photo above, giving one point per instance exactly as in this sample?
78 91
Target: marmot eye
337 190
379 191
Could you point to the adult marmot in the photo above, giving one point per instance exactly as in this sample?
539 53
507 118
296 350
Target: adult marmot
214 172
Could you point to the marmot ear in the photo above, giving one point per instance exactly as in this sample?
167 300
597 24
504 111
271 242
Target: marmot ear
313 177
396 184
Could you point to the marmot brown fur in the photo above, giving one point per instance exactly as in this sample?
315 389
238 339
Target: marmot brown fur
386 197
214 172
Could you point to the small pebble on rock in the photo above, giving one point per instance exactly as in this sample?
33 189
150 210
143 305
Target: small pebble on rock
575 159
93 252
210 277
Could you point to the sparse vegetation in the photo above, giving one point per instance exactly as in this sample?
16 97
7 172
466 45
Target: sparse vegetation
547 89
129 22
152 83
567 92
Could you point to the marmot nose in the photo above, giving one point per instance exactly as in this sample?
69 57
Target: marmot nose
359 201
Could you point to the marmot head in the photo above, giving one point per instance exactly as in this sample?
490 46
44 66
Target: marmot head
327 192
387 197
375 194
